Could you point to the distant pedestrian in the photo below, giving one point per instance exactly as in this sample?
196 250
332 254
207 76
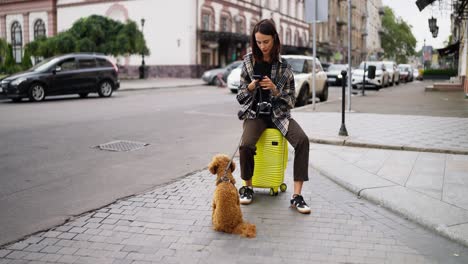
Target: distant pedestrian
266 102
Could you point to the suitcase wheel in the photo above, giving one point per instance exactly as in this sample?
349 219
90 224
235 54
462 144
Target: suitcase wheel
273 192
283 187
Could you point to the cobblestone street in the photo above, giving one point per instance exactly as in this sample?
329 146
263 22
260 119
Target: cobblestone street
172 224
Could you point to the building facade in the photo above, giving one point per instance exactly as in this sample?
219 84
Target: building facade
332 40
225 27
373 29
184 37
23 21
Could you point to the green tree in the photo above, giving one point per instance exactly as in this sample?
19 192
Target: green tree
397 39
94 34
9 60
10 63
3 54
26 62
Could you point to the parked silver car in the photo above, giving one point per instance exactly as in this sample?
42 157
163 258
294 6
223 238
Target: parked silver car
211 76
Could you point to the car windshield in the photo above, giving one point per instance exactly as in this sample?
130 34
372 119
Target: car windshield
377 65
45 64
402 68
337 67
296 64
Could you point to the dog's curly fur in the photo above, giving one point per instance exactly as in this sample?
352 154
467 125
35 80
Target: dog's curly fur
227 215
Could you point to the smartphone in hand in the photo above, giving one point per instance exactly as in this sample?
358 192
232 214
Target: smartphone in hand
257 77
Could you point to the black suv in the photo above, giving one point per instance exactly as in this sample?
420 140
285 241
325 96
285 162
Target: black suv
80 73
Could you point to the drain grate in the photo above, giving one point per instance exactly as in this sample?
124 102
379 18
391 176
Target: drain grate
122 145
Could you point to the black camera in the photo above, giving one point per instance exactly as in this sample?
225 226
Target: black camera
264 108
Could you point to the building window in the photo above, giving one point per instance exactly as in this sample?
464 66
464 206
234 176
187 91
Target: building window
39 29
206 21
240 25
252 25
17 41
224 24
288 37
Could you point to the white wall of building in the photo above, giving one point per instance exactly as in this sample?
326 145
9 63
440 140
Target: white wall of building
9 21
33 17
169 30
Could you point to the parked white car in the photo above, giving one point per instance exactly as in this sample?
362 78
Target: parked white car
233 79
302 68
393 72
381 75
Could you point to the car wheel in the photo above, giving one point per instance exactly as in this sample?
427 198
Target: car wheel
105 89
36 92
213 81
217 82
234 91
324 95
83 95
303 96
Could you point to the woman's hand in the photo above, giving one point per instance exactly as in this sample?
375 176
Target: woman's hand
252 85
267 84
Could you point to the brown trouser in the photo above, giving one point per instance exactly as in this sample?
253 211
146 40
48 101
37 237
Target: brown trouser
253 129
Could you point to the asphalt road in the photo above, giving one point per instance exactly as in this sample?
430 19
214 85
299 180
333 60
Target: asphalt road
51 170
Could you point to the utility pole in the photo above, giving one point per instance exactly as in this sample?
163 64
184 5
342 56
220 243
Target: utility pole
314 53
349 55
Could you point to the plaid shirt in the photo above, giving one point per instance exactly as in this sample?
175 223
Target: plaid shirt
282 76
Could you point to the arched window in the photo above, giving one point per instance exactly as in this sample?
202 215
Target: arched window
225 23
39 29
17 41
239 24
207 22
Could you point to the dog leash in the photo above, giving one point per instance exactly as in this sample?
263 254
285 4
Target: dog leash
224 178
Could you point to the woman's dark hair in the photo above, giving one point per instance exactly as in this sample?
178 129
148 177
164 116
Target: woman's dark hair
266 27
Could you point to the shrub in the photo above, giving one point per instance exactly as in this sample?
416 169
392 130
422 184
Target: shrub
441 72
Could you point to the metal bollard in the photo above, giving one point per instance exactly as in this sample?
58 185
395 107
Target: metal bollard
343 131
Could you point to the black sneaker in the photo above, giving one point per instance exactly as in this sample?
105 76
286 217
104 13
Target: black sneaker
246 195
301 206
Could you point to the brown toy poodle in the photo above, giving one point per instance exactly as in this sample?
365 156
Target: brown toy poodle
227 215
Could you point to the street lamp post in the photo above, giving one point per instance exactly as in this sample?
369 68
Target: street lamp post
423 58
142 67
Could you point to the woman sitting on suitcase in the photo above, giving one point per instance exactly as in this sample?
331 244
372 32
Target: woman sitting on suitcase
266 94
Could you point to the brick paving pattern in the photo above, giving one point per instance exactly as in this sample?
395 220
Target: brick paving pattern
444 133
172 224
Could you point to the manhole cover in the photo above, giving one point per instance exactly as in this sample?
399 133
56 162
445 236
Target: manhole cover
122 145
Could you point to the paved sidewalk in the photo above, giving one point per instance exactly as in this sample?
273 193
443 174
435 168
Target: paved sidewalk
404 132
172 224
428 185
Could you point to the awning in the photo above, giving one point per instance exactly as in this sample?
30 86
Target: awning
450 49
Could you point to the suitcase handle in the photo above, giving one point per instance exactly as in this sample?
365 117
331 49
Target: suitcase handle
274 143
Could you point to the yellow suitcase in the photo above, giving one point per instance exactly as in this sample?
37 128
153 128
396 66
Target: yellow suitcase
270 161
